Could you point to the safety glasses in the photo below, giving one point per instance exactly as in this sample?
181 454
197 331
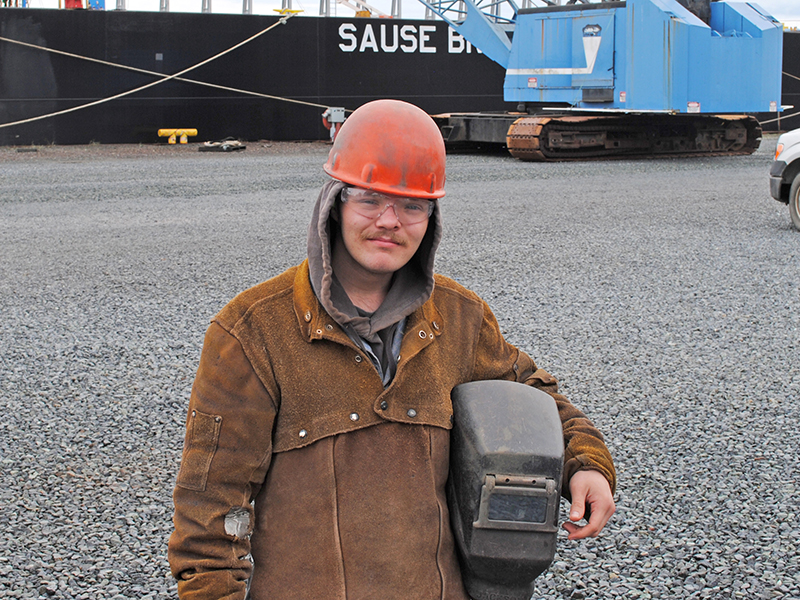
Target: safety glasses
372 205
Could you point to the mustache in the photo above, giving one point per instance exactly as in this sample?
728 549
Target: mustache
388 236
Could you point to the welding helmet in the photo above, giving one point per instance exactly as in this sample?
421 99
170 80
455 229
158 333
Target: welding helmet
391 147
506 464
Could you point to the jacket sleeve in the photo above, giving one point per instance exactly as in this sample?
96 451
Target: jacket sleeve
226 455
584 447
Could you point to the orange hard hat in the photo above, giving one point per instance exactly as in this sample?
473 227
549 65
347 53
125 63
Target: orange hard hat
392 147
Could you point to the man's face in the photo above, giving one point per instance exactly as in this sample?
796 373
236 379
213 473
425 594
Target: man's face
379 245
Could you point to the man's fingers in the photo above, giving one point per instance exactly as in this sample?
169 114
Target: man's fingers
577 509
590 490
578 532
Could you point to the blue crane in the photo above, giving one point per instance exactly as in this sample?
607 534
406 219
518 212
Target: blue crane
639 77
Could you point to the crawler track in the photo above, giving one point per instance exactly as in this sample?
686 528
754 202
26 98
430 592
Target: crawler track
559 138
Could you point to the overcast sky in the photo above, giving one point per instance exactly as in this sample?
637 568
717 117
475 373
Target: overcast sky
787 11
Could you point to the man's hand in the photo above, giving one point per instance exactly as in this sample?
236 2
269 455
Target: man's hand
592 489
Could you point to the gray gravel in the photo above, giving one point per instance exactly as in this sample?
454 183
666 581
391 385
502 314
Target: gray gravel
663 293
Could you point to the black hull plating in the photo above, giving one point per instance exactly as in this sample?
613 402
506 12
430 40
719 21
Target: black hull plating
327 61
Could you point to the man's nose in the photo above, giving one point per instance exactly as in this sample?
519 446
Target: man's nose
388 218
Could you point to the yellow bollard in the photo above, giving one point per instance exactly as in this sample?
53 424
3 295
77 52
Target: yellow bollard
173 135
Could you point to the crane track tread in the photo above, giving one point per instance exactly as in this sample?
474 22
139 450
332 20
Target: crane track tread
527 136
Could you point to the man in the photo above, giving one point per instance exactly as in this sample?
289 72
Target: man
318 431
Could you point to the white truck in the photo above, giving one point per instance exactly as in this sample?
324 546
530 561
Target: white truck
784 175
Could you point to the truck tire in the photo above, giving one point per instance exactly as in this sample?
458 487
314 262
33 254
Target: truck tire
794 202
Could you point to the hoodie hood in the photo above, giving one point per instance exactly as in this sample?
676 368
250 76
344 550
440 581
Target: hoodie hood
411 286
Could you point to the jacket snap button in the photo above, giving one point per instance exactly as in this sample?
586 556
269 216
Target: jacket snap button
384 405
303 433
411 413
423 335
319 331
329 327
358 358
308 316
354 416
436 326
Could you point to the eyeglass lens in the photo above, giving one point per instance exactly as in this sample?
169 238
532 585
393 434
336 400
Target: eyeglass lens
373 204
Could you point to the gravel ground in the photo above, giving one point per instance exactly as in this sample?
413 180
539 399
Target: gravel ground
663 293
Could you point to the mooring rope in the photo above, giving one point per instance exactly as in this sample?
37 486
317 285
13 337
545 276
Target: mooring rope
161 75
162 78
782 117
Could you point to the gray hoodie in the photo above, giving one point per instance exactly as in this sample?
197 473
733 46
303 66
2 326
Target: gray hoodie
381 332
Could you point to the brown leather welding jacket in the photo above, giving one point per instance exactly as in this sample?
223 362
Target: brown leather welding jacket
338 483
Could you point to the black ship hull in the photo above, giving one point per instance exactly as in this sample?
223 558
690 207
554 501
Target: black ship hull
322 61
